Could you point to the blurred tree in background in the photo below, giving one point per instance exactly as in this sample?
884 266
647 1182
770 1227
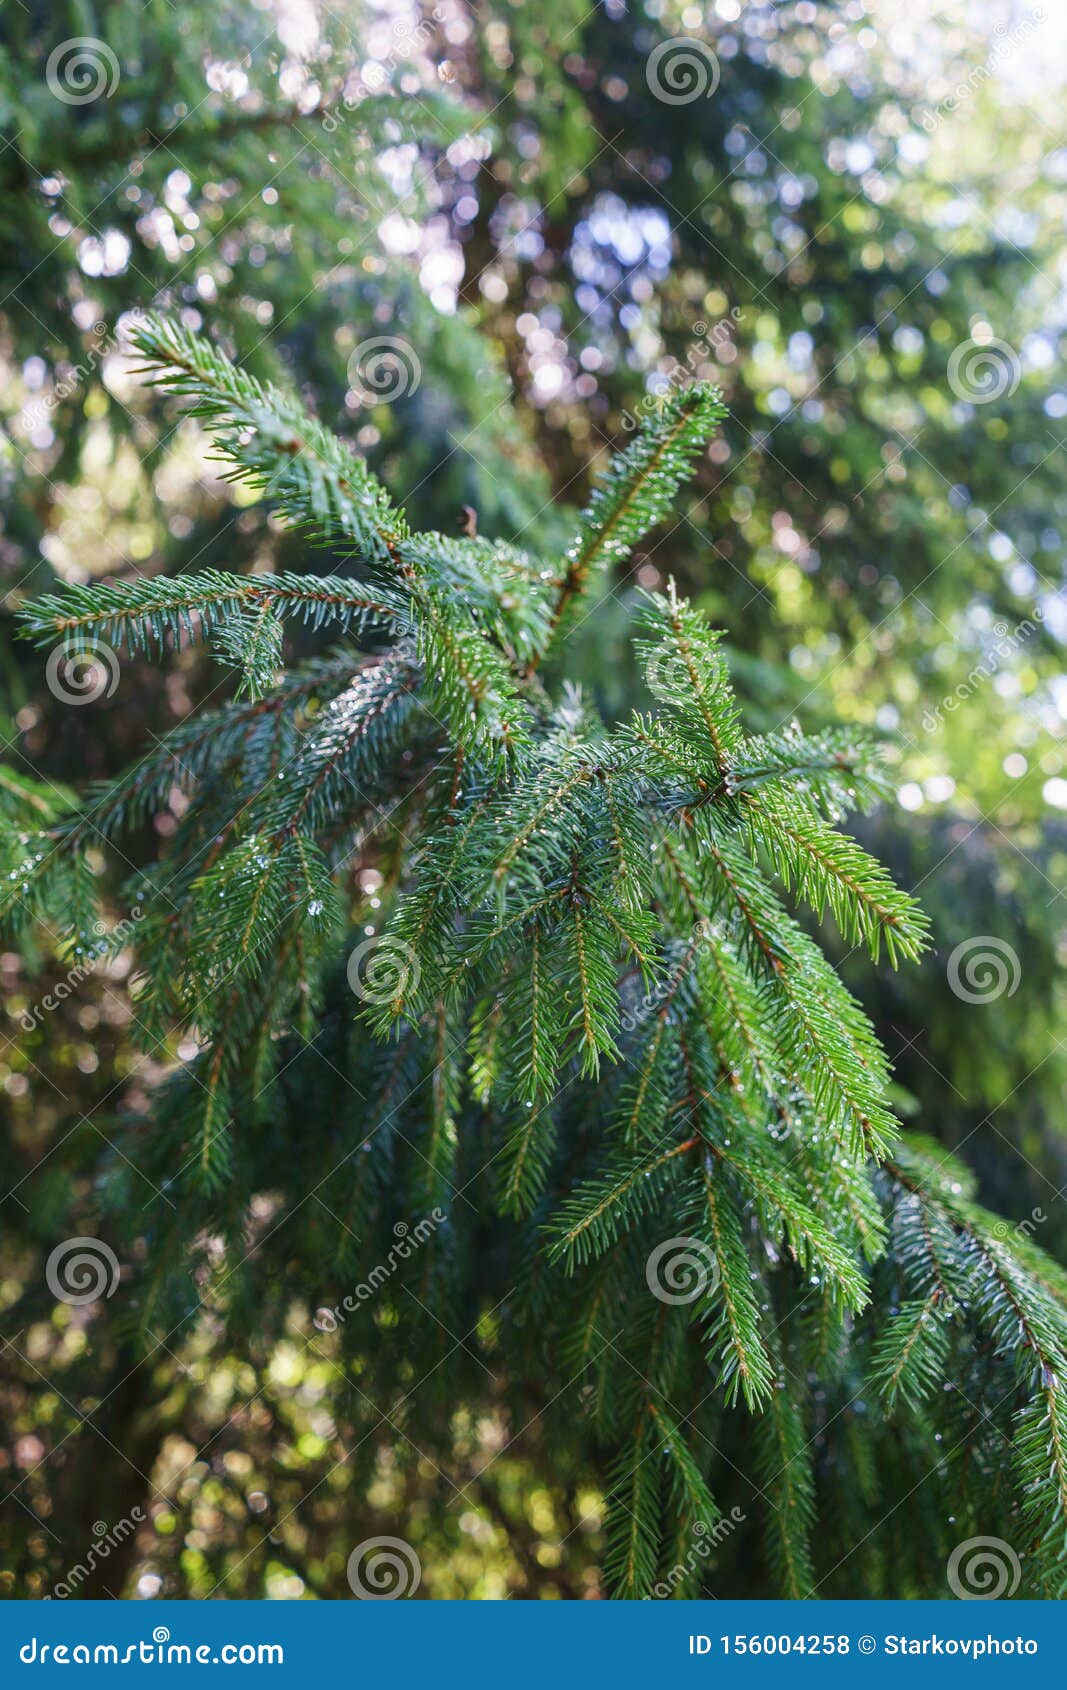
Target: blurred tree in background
853 223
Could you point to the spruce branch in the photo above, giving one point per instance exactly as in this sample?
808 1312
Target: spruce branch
635 494
606 1024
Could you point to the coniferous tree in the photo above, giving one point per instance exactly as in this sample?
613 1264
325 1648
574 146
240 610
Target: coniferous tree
463 960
